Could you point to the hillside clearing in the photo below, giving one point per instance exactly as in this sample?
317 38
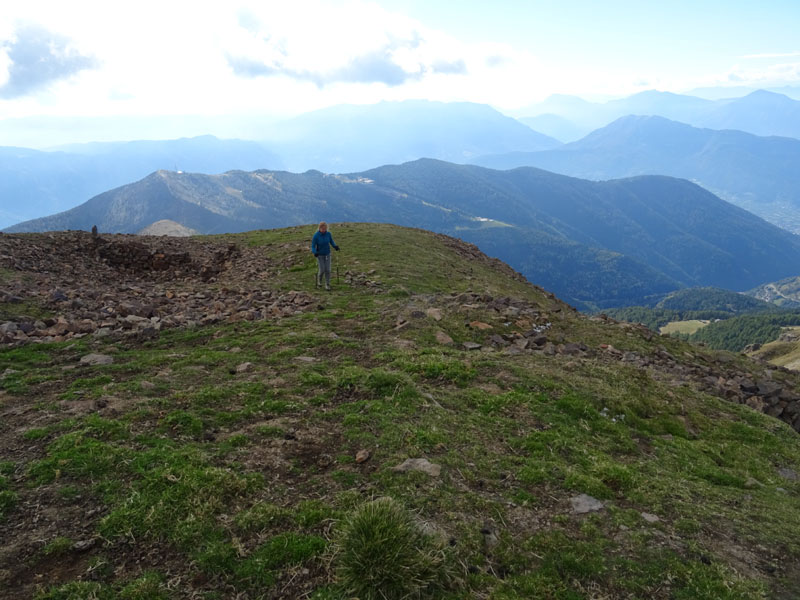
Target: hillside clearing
687 327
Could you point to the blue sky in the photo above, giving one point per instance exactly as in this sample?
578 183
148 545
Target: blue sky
267 58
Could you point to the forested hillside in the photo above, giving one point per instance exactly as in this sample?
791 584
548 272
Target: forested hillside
737 332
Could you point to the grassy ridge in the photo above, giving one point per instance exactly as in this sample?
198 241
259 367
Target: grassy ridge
210 481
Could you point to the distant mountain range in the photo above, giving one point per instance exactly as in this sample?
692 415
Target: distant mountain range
760 174
761 112
757 175
351 138
594 244
339 139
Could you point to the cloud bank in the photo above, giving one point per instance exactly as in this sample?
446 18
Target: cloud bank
394 63
37 58
373 67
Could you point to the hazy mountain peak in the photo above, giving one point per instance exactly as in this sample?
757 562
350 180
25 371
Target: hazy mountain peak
626 130
766 97
666 104
347 138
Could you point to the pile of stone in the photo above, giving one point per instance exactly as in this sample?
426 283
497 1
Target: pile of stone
127 286
522 329
137 257
357 278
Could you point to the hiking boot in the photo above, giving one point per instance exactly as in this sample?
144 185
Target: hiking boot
328 286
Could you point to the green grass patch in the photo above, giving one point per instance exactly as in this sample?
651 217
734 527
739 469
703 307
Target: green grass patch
149 586
181 422
381 553
263 516
440 368
57 547
78 455
89 387
176 494
260 569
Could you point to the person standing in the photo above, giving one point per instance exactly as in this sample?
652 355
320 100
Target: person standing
321 247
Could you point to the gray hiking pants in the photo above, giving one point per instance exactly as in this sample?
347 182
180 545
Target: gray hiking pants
324 261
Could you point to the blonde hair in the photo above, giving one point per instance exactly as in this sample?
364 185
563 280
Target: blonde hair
322 224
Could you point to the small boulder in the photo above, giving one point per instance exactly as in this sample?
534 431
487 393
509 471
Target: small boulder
443 338
419 464
96 359
650 518
584 503
434 313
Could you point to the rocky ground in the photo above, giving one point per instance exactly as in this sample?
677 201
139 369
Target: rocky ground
767 388
130 287
122 286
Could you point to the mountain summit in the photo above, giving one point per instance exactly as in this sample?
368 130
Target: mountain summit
433 427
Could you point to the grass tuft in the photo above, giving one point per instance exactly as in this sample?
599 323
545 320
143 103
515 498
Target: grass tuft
381 553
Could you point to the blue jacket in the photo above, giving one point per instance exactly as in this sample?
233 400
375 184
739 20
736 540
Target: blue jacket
321 243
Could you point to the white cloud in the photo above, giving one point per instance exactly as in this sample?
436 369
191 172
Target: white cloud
355 42
36 58
771 75
772 55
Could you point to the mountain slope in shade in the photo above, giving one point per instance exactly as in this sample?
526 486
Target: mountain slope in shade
756 173
654 233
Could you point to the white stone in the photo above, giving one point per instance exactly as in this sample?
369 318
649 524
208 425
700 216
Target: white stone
96 359
584 503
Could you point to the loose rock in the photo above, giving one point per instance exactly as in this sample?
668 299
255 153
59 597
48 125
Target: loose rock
584 503
97 359
419 464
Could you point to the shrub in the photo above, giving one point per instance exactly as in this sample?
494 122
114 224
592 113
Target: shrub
381 553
